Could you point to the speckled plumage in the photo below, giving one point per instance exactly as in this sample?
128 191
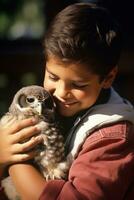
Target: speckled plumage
36 101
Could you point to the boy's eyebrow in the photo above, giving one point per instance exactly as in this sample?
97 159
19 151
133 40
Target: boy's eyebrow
82 82
50 72
47 69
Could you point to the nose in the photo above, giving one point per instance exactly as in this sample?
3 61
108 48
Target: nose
62 90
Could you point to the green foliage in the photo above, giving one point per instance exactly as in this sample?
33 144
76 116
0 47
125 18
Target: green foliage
21 19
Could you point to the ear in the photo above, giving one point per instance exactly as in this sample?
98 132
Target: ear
107 82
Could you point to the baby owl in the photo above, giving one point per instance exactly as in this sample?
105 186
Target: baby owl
35 101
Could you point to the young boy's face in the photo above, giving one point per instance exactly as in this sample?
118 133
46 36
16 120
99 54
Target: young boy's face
74 87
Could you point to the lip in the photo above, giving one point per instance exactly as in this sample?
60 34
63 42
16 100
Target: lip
67 104
64 103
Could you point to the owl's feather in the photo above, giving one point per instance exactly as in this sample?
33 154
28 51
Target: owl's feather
37 102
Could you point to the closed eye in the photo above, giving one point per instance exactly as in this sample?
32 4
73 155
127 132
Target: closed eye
52 77
79 86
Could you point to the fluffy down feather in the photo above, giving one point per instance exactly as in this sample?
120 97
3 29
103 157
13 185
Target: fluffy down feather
36 101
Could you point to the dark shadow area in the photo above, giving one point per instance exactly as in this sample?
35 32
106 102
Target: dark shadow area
123 12
21 64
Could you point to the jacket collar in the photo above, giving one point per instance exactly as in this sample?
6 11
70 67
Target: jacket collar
115 110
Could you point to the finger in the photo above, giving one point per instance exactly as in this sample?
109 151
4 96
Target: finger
25 134
18 125
23 157
24 147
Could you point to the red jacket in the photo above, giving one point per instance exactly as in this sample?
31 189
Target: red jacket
103 170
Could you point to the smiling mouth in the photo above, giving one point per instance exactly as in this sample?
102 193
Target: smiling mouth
64 103
67 104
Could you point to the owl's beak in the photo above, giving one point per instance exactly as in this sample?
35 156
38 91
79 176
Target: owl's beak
39 108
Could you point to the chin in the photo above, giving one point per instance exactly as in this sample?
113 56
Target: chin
68 113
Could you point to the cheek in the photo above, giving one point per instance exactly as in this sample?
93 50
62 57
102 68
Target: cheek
79 95
48 85
87 98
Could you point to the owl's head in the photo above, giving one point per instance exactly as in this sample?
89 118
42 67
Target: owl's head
33 101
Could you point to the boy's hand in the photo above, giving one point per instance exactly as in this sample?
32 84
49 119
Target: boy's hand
11 136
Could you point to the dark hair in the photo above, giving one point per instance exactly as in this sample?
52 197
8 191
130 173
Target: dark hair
85 33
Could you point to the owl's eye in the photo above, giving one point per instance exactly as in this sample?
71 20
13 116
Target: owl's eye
39 97
30 99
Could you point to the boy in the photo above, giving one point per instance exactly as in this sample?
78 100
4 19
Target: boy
82 49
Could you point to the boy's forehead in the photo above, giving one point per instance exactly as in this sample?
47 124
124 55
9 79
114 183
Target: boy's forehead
78 71
53 60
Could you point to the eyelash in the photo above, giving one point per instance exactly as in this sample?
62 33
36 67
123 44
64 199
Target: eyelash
53 78
79 86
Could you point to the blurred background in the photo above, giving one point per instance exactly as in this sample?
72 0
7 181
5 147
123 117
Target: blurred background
22 27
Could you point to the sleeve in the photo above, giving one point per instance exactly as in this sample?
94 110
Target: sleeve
104 169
